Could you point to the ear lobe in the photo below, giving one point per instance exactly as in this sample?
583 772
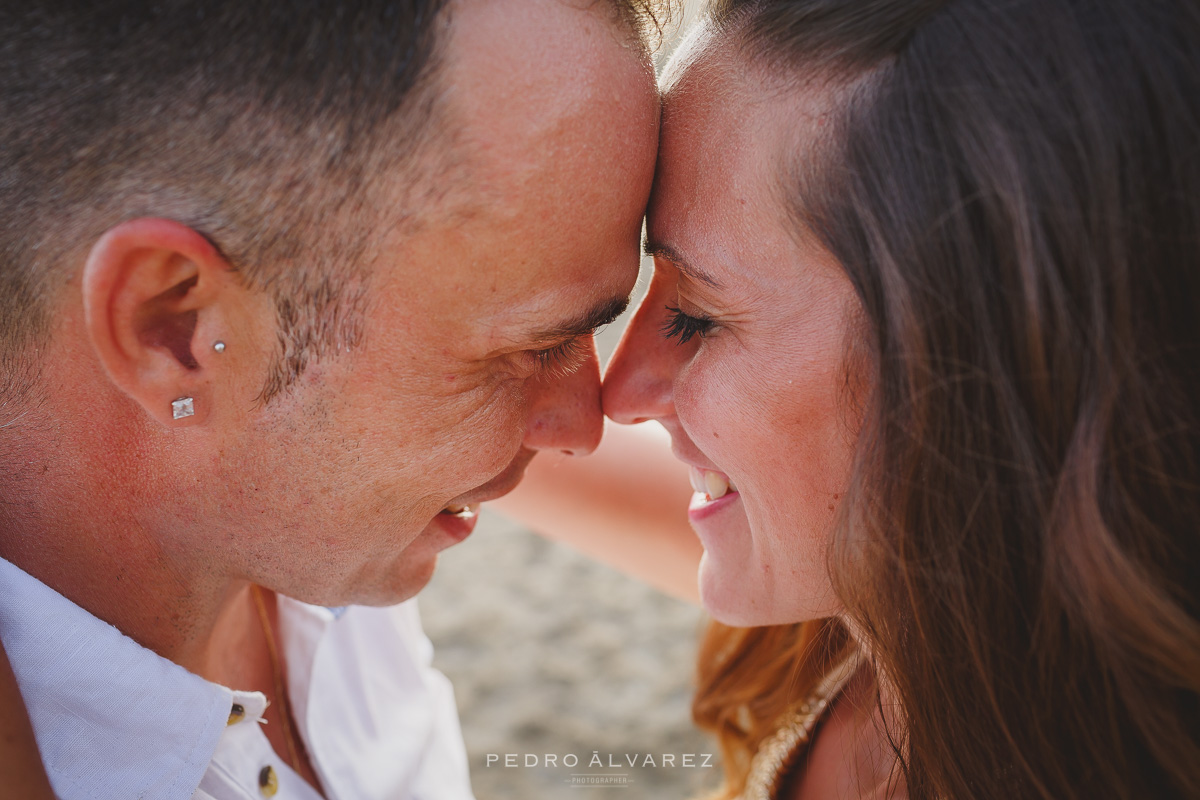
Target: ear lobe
145 283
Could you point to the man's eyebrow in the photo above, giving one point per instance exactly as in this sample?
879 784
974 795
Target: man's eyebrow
665 251
583 324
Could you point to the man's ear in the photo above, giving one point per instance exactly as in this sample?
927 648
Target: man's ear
146 285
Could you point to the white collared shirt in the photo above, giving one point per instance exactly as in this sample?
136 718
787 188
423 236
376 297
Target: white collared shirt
116 721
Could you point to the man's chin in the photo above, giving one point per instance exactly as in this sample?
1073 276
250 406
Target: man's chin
404 583
413 581
390 578
413 568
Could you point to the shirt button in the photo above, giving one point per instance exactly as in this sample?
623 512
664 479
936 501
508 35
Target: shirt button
268 784
236 714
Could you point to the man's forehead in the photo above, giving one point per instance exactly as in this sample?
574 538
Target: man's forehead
555 120
520 66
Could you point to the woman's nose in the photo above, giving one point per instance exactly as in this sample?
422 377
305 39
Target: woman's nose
638 385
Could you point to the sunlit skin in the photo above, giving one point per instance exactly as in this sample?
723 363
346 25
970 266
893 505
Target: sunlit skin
760 393
756 394
333 493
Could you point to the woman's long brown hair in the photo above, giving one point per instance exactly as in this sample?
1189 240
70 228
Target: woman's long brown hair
1014 190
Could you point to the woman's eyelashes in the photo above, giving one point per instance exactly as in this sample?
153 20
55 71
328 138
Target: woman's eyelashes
683 326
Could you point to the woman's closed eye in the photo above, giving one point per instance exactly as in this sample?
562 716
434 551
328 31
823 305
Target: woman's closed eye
683 326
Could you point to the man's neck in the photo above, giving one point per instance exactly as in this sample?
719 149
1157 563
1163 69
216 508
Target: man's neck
219 635
115 570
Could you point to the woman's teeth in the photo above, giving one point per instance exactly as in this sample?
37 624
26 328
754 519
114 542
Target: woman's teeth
713 485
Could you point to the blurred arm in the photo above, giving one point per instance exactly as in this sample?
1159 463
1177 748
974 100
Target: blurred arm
20 764
625 505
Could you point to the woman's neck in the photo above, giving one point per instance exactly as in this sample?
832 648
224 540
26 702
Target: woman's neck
851 755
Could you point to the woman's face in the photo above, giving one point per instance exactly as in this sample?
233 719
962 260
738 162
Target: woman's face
754 400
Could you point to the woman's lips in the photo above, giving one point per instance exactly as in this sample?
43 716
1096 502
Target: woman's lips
714 491
710 483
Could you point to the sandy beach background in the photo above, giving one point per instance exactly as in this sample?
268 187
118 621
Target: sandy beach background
553 654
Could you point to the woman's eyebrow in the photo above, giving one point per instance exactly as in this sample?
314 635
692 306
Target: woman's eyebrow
666 251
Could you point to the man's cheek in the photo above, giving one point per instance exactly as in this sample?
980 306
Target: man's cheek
485 441
500 438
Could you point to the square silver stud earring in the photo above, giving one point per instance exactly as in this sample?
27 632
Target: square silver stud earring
183 407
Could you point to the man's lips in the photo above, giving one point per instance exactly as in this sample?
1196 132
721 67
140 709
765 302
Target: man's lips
468 504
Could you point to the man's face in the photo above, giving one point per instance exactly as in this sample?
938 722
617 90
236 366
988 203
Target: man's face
477 350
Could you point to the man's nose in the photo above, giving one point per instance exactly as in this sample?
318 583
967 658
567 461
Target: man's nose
639 383
564 410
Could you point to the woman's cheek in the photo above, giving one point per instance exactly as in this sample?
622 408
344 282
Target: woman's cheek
699 402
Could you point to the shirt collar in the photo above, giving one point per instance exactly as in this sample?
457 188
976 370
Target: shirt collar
100 702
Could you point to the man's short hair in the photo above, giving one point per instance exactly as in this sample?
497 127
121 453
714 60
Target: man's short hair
261 124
